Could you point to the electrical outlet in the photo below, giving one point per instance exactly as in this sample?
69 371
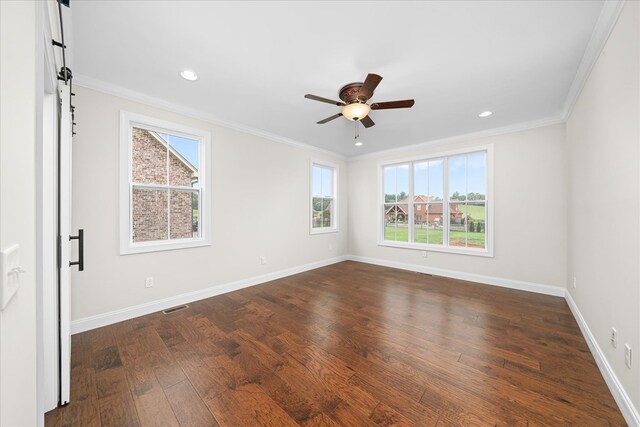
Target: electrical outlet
614 337
575 282
263 260
627 355
424 254
148 282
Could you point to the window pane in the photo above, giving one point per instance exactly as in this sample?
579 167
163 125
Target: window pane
402 183
428 224
150 219
316 177
322 213
476 225
421 180
182 215
327 182
390 184
457 225
476 176
148 157
327 212
457 178
420 223
436 180
434 223
316 215
396 225
197 228
396 183
183 160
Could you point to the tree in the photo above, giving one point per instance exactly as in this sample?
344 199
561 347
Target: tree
458 196
391 198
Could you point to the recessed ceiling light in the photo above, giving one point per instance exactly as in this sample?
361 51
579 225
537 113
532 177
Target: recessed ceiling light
359 143
485 114
189 75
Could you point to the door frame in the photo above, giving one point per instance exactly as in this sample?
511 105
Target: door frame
47 373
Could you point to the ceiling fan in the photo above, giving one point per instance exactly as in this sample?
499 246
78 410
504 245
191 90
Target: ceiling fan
354 101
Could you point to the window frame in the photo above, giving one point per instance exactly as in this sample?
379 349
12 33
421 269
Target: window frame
445 248
128 121
334 214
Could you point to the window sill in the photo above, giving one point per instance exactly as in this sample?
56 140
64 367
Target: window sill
436 248
325 230
146 247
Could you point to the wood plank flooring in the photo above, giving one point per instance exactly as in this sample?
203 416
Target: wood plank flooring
350 344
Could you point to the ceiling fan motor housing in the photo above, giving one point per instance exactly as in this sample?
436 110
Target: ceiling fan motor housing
349 93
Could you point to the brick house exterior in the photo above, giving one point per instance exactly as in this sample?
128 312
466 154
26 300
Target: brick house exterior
149 166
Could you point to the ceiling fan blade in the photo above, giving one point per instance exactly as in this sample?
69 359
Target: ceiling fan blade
370 84
321 99
328 119
405 103
367 122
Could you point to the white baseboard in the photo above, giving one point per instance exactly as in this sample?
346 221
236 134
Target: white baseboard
621 397
104 319
471 277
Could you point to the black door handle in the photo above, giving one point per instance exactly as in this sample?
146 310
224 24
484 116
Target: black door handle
80 239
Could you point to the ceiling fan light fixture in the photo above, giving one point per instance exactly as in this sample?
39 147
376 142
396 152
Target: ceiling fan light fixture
355 111
359 143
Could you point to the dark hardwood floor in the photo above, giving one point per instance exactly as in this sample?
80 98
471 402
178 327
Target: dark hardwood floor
350 344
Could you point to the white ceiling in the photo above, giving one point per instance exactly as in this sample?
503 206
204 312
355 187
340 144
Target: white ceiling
256 60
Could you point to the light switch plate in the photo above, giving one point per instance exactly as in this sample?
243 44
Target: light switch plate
10 271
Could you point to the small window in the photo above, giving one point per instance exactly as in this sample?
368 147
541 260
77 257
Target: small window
163 185
440 203
324 198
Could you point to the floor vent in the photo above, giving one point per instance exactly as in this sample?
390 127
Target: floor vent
424 274
174 309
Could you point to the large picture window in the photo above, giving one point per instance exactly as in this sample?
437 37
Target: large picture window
440 203
163 185
324 206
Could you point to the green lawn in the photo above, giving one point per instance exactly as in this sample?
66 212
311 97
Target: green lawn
476 212
433 236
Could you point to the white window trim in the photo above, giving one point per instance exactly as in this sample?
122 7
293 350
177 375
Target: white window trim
487 251
335 227
127 121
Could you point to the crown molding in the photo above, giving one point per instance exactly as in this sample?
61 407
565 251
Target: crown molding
604 25
132 95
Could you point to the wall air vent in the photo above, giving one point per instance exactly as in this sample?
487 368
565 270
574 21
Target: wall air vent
174 309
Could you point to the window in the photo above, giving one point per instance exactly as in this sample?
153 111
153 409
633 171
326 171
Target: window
163 198
440 203
324 207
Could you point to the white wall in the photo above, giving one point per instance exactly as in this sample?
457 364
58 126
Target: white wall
17 208
530 209
604 185
260 208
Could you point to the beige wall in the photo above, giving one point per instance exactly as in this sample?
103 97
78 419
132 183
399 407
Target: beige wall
260 208
530 209
604 185
17 209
